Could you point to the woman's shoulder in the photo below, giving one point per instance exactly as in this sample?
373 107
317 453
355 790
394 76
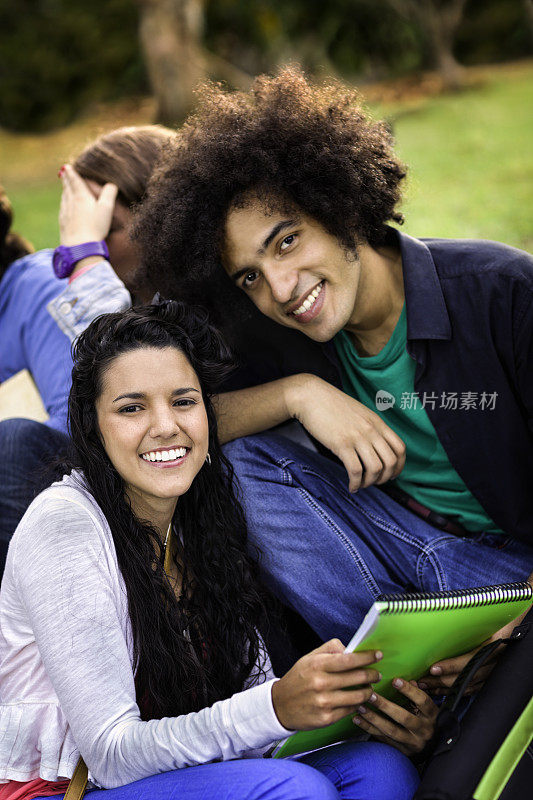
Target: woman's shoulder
65 510
63 525
30 283
71 488
36 265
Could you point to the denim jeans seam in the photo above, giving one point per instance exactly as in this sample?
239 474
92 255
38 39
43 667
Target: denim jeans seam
394 530
286 476
367 576
283 462
428 555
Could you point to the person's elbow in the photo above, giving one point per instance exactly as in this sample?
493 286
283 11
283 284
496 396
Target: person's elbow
112 760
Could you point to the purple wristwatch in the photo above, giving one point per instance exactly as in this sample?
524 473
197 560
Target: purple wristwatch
65 258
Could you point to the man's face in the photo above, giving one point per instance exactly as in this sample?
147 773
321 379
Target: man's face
292 269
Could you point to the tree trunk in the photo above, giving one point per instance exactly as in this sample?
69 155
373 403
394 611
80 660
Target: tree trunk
438 20
170 34
528 8
440 40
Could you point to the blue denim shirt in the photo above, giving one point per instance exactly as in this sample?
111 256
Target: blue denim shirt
29 336
97 291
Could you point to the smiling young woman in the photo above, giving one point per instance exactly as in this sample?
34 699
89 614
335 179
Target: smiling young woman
154 431
130 611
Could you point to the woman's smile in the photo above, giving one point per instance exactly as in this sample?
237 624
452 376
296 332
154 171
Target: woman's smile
166 457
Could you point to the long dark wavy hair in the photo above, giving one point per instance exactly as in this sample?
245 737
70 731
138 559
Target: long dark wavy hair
189 652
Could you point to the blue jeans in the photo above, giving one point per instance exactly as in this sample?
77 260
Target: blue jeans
353 771
328 553
26 448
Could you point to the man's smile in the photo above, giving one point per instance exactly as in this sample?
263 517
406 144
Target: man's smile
310 305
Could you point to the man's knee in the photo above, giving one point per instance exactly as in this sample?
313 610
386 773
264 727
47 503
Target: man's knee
264 454
253 460
247 449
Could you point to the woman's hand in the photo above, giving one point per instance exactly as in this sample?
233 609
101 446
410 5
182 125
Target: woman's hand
371 452
318 689
407 730
83 217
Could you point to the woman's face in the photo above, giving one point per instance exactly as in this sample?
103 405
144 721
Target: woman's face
153 425
123 253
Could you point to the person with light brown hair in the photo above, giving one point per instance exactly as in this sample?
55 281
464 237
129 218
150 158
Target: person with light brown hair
100 189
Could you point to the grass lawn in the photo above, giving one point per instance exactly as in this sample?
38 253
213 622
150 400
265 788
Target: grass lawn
471 162
470 158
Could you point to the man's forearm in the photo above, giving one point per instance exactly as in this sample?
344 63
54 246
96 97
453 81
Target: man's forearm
258 408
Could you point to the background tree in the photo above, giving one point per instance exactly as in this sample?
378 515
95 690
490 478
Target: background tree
59 56
170 33
438 21
528 6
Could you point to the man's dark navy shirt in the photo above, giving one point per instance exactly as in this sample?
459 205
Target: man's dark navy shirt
469 307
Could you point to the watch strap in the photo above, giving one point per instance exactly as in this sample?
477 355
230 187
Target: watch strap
66 257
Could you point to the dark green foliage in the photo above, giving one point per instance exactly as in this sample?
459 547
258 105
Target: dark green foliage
492 31
352 36
356 37
57 55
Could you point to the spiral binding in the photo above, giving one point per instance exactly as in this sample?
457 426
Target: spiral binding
459 598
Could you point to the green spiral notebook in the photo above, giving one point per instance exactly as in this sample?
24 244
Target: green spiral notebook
413 631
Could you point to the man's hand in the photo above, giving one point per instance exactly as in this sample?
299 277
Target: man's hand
409 730
370 451
443 674
319 689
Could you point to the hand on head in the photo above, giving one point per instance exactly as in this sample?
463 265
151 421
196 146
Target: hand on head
82 216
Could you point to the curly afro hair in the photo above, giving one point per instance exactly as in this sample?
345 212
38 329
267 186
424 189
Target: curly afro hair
307 147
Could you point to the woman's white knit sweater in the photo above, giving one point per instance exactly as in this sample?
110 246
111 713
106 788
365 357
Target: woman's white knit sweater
66 672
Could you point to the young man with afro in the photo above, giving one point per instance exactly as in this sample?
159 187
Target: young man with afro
409 361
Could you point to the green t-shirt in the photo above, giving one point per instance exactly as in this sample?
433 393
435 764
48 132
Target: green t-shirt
385 383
